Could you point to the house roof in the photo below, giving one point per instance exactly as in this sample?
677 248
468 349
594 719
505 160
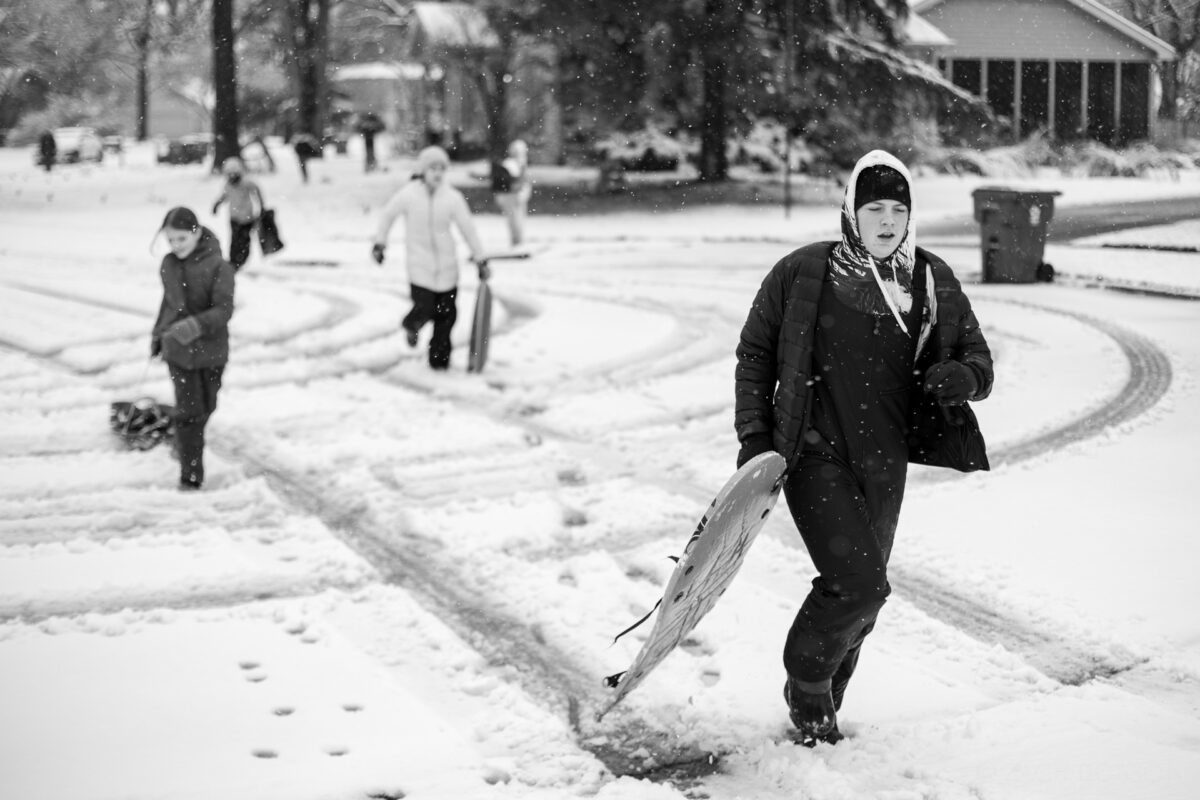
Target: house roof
1102 14
438 29
920 32
378 70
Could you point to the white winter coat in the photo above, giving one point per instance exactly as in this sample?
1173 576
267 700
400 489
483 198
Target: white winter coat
430 251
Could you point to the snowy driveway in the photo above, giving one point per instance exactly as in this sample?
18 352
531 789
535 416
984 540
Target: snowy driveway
400 583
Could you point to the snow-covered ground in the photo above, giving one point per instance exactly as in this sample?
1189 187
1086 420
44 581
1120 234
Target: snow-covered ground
398 583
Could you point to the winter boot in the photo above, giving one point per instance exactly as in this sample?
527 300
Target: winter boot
810 706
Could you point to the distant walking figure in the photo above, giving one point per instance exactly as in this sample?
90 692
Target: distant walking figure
47 150
307 148
512 189
245 207
369 125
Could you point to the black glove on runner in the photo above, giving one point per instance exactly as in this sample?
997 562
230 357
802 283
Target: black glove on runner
377 253
951 382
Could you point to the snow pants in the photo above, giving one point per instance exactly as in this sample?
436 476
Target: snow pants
848 530
239 243
515 207
195 401
442 309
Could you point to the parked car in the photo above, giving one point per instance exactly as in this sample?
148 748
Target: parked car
191 149
75 144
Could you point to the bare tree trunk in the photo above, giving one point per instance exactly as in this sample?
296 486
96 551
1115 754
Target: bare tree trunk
225 111
714 124
492 88
307 25
142 43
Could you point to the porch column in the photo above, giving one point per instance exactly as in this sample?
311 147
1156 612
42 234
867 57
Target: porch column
1083 91
1119 138
1053 100
1017 100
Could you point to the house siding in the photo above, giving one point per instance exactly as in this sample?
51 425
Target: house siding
1029 29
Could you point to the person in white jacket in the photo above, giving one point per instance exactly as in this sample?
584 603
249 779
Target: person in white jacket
429 205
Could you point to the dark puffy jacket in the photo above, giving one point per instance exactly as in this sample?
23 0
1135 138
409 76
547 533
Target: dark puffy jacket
775 353
201 287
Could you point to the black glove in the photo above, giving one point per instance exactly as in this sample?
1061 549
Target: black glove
485 271
755 445
377 253
155 346
951 382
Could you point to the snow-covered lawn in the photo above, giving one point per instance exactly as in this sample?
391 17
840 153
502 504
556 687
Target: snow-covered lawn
399 583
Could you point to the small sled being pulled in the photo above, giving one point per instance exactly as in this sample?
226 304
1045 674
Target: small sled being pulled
141 424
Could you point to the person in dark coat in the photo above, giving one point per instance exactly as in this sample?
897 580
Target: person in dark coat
307 148
839 343
369 125
47 150
191 332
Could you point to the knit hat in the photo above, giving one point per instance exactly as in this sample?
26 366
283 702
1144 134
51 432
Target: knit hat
233 166
181 219
430 156
879 182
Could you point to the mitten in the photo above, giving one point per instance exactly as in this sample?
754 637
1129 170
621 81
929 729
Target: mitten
951 382
377 253
185 331
754 445
485 271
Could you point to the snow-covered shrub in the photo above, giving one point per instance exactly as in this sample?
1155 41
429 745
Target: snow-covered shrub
645 150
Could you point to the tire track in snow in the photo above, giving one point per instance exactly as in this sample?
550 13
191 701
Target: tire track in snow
1149 379
547 673
515 646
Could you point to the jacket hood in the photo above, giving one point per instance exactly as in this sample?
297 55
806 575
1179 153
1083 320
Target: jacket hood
874 287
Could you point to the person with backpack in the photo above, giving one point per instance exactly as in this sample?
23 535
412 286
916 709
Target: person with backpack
851 350
430 207
512 189
245 208
191 332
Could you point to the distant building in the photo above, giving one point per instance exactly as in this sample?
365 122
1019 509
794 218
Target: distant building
1073 68
424 83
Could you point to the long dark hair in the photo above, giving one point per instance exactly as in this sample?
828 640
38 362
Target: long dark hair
181 218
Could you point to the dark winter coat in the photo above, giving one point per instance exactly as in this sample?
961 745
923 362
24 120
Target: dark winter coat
775 354
200 287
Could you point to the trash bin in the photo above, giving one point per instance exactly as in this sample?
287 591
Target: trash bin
1012 229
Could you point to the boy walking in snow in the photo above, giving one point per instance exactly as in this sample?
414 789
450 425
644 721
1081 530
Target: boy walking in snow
850 348
245 207
429 207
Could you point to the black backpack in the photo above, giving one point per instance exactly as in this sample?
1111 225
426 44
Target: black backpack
502 179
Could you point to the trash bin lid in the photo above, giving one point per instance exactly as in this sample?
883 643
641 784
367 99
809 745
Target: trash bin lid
1008 192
